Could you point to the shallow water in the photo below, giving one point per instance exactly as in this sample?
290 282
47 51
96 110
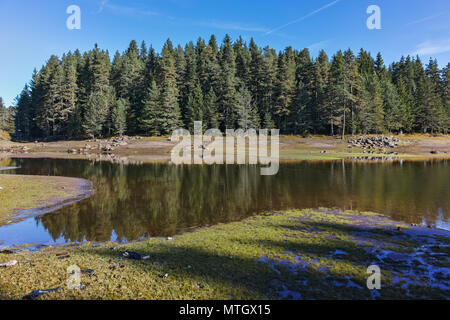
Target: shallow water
132 202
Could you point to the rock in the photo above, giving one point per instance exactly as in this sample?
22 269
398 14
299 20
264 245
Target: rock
35 294
89 272
169 238
6 252
117 266
374 142
62 254
8 264
131 255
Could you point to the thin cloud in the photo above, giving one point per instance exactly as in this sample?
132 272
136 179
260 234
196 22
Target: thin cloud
124 10
102 5
425 19
432 48
304 17
319 45
232 26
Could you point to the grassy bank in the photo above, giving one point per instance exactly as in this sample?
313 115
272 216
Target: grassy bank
19 193
308 254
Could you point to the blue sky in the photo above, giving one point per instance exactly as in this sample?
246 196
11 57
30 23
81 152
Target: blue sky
30 31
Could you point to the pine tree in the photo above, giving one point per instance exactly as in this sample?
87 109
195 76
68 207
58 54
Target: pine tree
227 96
50 107
319 94
6 118
247 113
208 65
445 91
141 91
195 108
336 91
285 88
152 112
393 107
268 89
97 109
119 116
69 93
301 118
372 113
171 119
24 117
211 116
303 110
131 85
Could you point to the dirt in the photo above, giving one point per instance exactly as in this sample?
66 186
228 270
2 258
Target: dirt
157 149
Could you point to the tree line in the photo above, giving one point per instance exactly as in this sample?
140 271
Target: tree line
236 85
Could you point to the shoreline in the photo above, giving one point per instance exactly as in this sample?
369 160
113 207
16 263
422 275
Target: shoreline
62 191
292 148
262 257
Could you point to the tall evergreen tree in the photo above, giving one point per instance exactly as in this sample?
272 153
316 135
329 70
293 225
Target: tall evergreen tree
171 119
152 112
228 83
285 88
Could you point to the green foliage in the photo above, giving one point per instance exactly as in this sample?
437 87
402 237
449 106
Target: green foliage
6 118
229 87
119 116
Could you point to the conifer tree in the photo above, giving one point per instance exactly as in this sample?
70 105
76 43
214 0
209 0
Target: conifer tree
211 115
171 119
227 96
152 112
119 116
247 113
319 94
285 88
24 116
85 94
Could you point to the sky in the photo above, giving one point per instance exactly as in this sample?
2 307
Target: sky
31 31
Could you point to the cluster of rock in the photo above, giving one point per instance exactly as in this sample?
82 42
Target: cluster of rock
374 158
14 149
374 142
85 150
107 147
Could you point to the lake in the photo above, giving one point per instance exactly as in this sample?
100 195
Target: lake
133 202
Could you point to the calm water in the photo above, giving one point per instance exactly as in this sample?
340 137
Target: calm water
136 201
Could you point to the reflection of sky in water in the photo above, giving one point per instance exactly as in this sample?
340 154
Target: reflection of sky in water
31 231
13 234
8 168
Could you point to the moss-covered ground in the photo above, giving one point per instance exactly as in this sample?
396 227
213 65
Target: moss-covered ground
307 254
19 193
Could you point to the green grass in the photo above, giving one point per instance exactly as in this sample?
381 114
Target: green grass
313 154
224 262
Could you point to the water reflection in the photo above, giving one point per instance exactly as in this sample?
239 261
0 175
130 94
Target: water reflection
134 201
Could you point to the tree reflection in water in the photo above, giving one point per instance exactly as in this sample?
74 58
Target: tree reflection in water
134 201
